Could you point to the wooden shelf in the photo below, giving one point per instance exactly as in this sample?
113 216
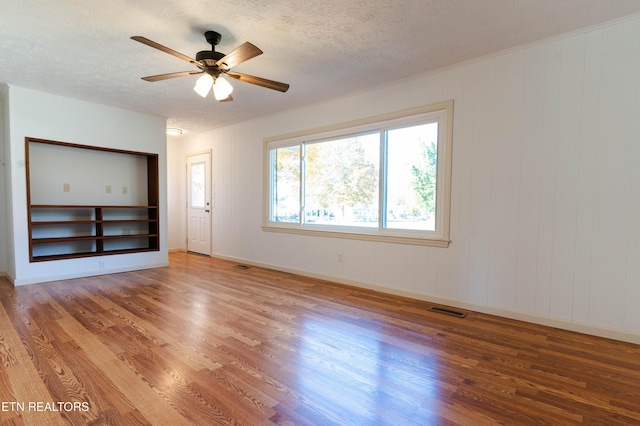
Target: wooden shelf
61 242
88 254
63 239
89 238
84 206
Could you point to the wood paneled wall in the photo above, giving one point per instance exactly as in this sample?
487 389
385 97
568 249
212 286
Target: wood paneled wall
546 185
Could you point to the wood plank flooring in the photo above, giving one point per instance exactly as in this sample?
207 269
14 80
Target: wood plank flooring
204 342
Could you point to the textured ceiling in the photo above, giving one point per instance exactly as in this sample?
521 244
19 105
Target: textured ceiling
322 48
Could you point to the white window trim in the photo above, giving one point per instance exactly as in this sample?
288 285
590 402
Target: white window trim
440 238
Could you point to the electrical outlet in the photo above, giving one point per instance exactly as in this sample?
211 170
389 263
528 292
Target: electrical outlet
66 187
339 257
125 190
108 189
100 264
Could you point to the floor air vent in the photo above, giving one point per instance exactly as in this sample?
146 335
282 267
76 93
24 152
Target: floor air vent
446 311
242 266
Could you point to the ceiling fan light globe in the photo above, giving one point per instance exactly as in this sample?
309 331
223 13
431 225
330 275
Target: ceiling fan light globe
222 89
203 85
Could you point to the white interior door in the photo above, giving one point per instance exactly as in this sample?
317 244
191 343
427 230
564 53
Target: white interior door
199 203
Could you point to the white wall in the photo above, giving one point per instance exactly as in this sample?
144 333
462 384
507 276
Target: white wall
545 222
87 172
3 180
46 116
176 196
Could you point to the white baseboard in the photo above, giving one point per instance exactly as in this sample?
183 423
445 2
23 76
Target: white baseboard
72 275
561 323
177 249
10 277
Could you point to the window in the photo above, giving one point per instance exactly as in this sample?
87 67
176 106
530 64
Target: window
341 181
383 178
198 191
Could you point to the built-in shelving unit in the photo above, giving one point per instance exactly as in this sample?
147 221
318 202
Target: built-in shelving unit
63 232
66 231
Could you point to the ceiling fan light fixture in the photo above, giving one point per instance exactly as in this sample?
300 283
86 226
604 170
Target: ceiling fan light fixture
203 85
222 88
211 65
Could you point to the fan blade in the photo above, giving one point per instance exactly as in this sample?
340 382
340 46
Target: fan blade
227 99
239 55
165 49
269 84
170 75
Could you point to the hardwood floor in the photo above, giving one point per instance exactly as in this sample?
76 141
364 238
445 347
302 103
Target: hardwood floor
205 342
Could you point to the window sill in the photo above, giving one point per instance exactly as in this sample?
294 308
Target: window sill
363 235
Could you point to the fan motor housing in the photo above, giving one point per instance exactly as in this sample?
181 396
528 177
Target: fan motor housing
209 57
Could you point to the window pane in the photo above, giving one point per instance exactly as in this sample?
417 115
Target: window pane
341 181
286 184
412 154
197 185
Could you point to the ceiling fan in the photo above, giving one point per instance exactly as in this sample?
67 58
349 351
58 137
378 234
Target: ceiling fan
212 65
